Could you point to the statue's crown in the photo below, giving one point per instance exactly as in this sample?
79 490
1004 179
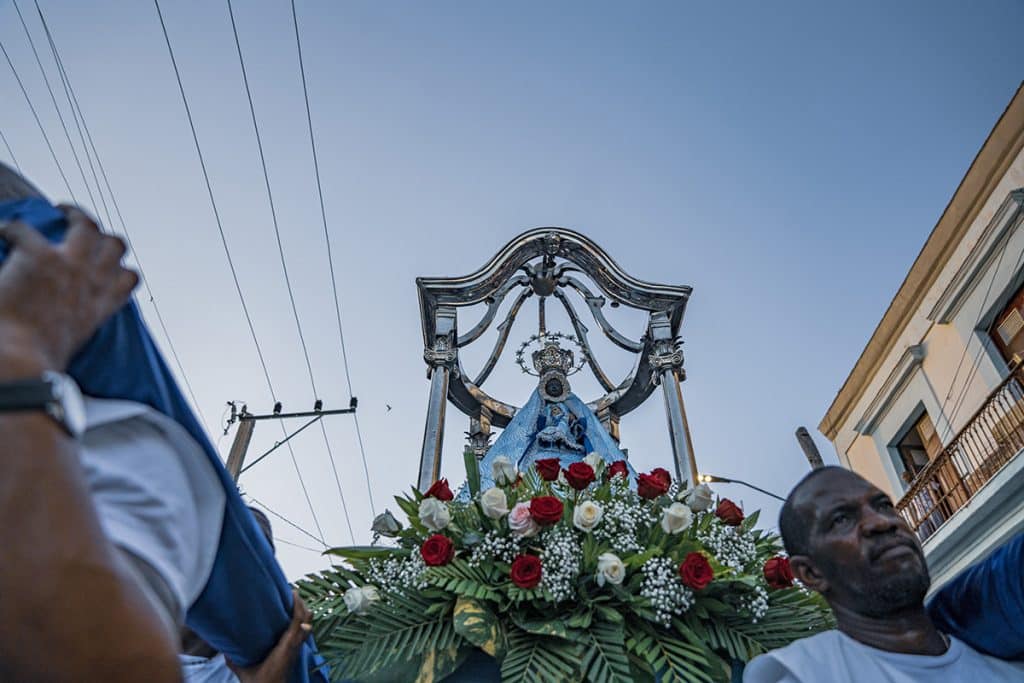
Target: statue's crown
552 357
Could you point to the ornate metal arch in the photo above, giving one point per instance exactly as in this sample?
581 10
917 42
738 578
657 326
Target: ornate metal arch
541 262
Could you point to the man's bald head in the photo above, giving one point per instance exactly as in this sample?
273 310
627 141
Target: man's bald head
14 186
796 515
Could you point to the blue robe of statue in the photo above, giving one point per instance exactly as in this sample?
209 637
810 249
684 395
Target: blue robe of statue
567 430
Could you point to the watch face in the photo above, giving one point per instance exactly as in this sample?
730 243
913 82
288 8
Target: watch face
68 402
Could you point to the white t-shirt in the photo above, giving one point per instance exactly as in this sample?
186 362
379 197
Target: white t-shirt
157 497
835 657
203 670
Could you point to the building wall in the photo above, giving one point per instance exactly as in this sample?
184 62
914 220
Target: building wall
956 372
943 364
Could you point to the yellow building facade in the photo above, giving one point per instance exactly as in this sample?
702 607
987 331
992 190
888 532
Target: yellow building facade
933 410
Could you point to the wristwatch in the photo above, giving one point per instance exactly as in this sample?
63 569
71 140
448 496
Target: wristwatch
54 393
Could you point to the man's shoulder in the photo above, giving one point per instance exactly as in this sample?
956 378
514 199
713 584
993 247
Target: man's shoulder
791 663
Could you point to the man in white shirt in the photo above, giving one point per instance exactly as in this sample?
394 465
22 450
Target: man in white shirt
99 563
846 541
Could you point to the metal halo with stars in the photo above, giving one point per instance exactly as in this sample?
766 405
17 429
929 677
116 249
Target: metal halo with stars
538 340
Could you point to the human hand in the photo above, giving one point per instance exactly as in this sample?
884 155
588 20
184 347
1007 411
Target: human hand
275 668
54 296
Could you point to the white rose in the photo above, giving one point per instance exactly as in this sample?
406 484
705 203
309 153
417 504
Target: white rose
503 471
434 514
586 515
359 599
699 498
594 460
494 503
610 569
521 522
677 517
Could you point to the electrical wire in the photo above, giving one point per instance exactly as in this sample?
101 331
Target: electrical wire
227 253
284 519
284 264
330 258
76 111
983 342
60 115
10 152
35 115
297 545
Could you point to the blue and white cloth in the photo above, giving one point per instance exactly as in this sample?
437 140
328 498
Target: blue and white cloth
246 603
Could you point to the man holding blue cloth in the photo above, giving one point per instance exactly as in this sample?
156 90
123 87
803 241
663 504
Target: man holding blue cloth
120 521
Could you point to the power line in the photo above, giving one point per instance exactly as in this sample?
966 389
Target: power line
35 115
60 115
984 342
10 152
330 258
227 253
284 264
69 92
298 545
284 519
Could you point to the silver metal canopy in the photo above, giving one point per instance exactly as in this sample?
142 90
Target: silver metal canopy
541 262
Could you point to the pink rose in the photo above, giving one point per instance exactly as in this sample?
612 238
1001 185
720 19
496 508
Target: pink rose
521 522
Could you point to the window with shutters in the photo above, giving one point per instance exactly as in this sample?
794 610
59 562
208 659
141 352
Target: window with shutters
1008 330
920 445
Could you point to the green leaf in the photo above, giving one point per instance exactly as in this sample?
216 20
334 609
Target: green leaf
472 472
580 620
365 552
437 664
538 659
608 614
555 628
672 660
478 624
604 658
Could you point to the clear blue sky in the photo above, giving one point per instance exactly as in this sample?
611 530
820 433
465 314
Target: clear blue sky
787 160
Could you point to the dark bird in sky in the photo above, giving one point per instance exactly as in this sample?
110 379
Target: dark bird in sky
389 407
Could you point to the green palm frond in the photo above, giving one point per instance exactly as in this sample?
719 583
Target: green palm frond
604 654
539 659
392 634
673 660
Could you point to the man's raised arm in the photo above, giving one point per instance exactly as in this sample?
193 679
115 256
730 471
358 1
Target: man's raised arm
72 608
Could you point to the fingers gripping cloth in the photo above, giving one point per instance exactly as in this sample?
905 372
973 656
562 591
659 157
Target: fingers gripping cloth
247 602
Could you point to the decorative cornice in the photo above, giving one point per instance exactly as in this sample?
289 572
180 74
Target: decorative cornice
891 389
989 167
992 240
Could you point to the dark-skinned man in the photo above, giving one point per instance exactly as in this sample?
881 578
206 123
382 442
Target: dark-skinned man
847 542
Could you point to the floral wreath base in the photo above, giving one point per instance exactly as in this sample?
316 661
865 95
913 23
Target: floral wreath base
560 575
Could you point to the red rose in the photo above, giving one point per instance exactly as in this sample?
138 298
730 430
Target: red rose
526 571
616 468
548 468
546 510
653 484
729 512
439 489
580 475
696 571
778 573
437 550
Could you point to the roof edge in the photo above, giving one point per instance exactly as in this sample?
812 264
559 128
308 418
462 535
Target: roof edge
1001 147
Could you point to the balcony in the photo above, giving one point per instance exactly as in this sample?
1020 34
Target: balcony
991 438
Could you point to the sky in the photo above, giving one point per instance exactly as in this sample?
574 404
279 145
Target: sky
786 160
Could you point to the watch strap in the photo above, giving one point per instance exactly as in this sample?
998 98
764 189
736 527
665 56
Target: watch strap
26 394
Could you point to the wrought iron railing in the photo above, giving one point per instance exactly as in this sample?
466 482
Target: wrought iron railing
990 439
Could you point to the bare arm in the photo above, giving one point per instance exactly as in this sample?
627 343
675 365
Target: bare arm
72 609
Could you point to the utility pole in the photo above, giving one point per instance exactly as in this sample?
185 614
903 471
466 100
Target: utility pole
247 424
809 447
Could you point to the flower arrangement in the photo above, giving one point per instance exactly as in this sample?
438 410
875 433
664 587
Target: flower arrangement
561 575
